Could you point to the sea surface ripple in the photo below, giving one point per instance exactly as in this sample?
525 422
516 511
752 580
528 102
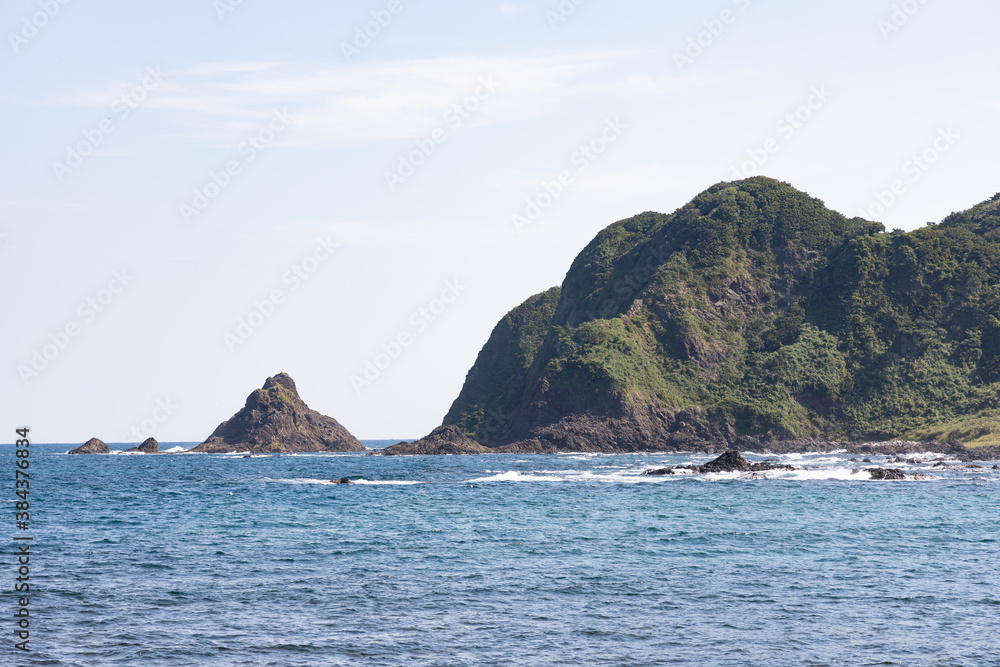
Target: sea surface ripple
210 560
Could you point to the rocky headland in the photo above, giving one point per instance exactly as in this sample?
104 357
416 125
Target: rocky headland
752 318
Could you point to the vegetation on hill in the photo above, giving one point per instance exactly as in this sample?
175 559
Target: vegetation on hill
753 311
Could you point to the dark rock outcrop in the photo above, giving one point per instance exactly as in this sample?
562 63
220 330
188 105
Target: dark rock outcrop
442 440
149 446
342 480
276 420
731 461
886 473
92 446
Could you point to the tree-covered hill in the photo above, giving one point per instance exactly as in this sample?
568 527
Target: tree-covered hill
751 311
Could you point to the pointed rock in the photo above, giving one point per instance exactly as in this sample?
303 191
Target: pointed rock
731 461
149 446
92 446
276 420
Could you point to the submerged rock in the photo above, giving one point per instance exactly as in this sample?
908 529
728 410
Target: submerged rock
447 439
149 446
92 446
274 420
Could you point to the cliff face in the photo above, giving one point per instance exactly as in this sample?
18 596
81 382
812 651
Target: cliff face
496 383
276 420
752 311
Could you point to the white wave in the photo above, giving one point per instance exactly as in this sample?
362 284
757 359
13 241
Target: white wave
395 482
174 450
843 474
514 476
632 477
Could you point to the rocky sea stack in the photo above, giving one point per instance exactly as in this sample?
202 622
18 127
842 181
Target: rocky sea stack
149 446
276 420
92 446
752 314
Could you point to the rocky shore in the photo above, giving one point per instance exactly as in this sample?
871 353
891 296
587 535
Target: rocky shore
450 440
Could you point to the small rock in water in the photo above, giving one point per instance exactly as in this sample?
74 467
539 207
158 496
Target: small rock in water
886 473
731 461
342 480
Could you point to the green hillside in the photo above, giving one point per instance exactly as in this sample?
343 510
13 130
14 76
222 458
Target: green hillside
752 311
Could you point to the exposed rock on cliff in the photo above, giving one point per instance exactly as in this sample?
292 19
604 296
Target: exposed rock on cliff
275 420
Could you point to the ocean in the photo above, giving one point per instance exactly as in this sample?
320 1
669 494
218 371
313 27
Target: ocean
157 560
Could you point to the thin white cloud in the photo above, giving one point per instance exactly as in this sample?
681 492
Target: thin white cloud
509 9
390 100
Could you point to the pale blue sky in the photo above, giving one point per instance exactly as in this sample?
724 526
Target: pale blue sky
187 94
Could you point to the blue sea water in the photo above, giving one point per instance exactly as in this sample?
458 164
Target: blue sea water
502 560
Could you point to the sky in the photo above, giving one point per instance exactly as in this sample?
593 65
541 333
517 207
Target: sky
199 194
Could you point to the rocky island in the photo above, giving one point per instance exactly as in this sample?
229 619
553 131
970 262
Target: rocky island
276 420
92 446
753 317
148 446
